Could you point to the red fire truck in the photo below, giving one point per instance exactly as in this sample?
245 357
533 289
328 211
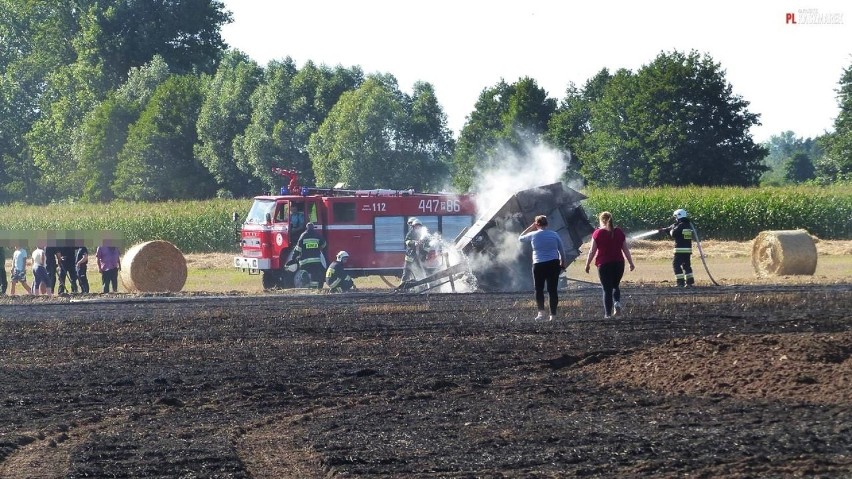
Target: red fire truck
369 224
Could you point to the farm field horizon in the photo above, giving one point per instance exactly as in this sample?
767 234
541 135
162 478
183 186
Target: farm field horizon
729 263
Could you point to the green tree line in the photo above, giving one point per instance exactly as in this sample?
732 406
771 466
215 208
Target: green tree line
104 100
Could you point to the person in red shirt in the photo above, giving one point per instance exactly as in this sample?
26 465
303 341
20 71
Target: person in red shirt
609 248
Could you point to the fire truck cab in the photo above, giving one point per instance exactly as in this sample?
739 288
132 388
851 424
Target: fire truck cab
369 224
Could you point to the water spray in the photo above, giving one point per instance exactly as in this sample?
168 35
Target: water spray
643 235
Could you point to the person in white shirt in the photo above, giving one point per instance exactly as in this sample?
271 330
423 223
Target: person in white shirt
19 269
548 254
40 272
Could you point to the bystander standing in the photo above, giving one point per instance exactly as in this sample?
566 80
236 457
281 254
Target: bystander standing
548 262
51 264
4 284
608 250
19 269
40 273
81 262
109 265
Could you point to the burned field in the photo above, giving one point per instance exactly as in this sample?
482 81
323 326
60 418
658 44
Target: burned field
714 382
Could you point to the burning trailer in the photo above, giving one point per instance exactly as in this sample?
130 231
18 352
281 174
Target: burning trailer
491 256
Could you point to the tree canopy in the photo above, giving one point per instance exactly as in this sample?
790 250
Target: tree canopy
60 60
571 122
378 137
837 162
156 161
287 107
225 113
107 99
675 121
512 116
791 159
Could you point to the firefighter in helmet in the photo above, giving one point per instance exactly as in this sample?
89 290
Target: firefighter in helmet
308 253
336 278
682 233
415 249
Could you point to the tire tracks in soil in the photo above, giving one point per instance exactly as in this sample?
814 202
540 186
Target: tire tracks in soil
49 455
270 449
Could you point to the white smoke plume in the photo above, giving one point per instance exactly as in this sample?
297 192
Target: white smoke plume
508 172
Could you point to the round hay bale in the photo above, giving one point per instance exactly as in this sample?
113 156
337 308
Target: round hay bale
783 252
153 266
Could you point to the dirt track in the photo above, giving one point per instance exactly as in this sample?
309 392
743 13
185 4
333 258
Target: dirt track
713 382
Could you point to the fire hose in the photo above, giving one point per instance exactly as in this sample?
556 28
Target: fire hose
701 253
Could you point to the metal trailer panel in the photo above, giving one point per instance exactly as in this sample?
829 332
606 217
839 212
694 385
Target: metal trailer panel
494 255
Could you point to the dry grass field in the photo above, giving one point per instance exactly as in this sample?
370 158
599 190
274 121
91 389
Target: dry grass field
729 263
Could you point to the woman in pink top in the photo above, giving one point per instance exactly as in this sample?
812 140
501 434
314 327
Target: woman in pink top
609 248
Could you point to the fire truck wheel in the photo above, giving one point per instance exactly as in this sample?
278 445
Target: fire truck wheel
286 279
271 279
301 279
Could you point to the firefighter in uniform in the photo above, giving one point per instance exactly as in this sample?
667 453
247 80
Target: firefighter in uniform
336 278
415 249
309 255
682 233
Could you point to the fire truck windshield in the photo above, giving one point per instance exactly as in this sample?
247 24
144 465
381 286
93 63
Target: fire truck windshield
258 211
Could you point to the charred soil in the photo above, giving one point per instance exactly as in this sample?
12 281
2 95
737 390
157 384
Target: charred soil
747 381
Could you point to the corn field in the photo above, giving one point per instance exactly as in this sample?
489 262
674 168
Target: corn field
192 226
719 213
729 213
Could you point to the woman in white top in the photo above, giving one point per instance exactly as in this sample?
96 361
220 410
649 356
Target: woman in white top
548 262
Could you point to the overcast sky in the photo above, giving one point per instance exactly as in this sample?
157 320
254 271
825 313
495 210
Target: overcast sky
788 72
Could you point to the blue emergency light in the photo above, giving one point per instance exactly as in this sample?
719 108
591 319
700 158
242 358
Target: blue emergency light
305 191
284 191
